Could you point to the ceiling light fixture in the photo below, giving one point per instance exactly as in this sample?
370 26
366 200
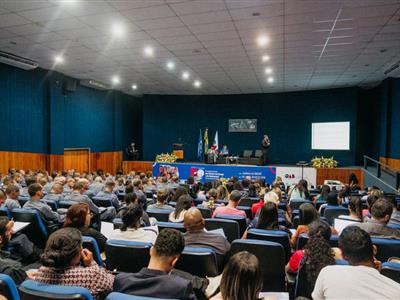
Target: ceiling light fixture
134 87
262 41
148 51
268 71
265 58
197 84
115 80
270 79
118 30
170 65
185 75
59 59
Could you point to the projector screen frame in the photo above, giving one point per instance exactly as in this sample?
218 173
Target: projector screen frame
314 147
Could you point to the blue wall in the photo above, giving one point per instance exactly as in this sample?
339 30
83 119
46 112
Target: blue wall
287 118
37 117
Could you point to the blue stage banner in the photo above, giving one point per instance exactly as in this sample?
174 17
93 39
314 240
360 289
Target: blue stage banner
204 172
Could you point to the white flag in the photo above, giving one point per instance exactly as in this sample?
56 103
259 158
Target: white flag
216 141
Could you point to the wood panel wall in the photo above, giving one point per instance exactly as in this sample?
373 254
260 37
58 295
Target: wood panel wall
341 174
107 161
391 162
77 159
22 160
137 166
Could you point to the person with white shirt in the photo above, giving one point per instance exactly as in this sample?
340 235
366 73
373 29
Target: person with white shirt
361 278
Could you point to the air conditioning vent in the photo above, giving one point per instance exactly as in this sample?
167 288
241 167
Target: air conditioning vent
393 70
95 84
17 61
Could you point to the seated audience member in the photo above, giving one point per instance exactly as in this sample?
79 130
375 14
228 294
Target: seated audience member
3 197
360 279
78 216
317 254
138 190
131 230
119 186
97 185
56 193
156 280
211 199
307 214
242 278
196 236
28 180
353 182
222 193
108 193
344 194
11 202
50 217
395 218
68 187
268 219
355 210
370 201
9 266
381 212
61 264
299 191
181 190
231 208
162 197
331 201
183 204
323 196
78 196
131 198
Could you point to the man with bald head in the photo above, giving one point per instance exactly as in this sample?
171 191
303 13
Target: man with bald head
196 236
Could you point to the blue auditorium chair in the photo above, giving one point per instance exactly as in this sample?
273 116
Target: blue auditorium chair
391 270
34 290
53 204
271 257
295 203
277 236
102 201
5 212
332 212
301 241
120 296
386 248
8 288
91 244
242 221
248 202
22 200
230 227
160 214
205 212
247 210
36 230
66 204
127 256
172 225
198 261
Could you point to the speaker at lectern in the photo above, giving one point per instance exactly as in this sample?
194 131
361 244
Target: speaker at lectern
177 150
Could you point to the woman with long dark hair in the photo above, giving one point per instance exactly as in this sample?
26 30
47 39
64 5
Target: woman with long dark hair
183 204
300 191
307 214
355 210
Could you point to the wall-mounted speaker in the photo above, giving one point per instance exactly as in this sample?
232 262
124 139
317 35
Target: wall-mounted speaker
69 85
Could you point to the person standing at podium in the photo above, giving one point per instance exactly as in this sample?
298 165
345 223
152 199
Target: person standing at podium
265 143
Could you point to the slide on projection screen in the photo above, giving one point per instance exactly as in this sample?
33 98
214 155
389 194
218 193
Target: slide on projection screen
330 136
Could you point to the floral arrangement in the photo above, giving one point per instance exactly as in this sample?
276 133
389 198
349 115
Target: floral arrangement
324 162
166 158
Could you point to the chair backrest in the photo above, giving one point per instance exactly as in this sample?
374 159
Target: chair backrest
22 200
330 213
247 210
66 204
102 201
247 153
230 227
120 296
301 241
277 236
391 270
239 219
258 153
172 225
271 257
8 288
205 212
386 248
160 214
91 244
53 204
36 230
127 256
34 290
248 202
201 262
5 212
295 203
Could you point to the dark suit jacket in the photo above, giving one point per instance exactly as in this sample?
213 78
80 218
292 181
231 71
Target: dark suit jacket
154 283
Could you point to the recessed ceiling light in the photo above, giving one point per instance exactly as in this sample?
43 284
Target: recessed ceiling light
268 71
59 59
170 65
185 75
148 51
118 30
270 79
134 87
68 1
115 80
265 58
197 83
262 41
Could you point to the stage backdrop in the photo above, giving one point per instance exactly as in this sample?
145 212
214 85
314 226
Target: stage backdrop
204 173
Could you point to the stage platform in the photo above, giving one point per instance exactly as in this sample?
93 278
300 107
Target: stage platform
210 172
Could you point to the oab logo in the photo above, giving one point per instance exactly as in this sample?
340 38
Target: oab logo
200 173
290 176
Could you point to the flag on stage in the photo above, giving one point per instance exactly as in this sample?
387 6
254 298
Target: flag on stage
216 141
206 140
200 148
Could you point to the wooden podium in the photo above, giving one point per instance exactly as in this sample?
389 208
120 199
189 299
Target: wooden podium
177 150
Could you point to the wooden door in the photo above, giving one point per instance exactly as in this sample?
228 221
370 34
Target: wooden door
78 159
